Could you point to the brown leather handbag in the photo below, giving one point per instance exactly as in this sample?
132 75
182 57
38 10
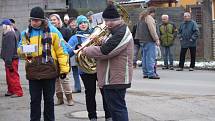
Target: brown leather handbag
36 70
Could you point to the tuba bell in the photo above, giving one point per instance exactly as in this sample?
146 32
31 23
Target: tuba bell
100 33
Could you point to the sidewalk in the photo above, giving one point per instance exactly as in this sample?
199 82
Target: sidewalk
177 96
19 108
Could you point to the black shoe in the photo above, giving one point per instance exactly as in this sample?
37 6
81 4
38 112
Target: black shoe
8 94
134 65
76 91
165 67
15 96
191 69
154 77
145 76
171 68
180 69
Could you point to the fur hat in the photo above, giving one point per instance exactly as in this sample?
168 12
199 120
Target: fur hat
110 13
37 13
81 19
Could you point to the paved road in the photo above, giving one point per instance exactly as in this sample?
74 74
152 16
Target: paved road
177 96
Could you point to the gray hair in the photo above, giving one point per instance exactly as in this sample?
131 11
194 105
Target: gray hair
165 16
187 14
89 13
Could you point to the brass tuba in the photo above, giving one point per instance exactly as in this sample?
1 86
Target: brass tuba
88 65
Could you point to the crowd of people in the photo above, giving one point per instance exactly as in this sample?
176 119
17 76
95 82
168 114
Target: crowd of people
150 36
48 46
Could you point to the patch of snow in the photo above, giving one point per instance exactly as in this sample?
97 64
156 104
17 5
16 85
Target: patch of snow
200 65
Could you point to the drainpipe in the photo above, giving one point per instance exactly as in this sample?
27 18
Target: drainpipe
213 41
213 29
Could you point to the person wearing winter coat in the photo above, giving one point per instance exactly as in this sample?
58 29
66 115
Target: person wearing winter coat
89 80
114 63
147 34
168 33
43 46
11 59
77 85
188 34
72 25
18 34
136 46
62 86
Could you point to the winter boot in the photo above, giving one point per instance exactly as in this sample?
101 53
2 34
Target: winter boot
60 98
69 99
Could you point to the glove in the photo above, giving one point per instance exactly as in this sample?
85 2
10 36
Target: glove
62 76
77 46
11 68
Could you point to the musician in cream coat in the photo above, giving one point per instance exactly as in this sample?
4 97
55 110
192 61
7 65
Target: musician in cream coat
114 63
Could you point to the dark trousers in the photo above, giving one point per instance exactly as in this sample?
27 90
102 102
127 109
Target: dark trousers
116 104
89 81
38 88
183 54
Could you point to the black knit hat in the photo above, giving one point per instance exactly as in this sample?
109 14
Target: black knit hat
37 13
110 12
12 20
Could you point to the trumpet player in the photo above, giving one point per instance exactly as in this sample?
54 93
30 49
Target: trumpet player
89 80
114 63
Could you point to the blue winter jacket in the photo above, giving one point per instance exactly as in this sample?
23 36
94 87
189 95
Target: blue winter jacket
188 34
75 40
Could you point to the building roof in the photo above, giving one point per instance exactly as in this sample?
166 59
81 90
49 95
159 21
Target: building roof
134 1
162 1
149 1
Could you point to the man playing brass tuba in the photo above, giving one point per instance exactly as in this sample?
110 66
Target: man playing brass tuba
89 79
114 63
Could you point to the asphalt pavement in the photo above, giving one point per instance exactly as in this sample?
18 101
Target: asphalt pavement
177 96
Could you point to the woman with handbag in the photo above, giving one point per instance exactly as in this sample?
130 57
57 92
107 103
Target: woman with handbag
43 49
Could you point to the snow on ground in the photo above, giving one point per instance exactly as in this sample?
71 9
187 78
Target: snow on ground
200 65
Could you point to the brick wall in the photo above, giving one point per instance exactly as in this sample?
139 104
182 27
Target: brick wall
19 10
